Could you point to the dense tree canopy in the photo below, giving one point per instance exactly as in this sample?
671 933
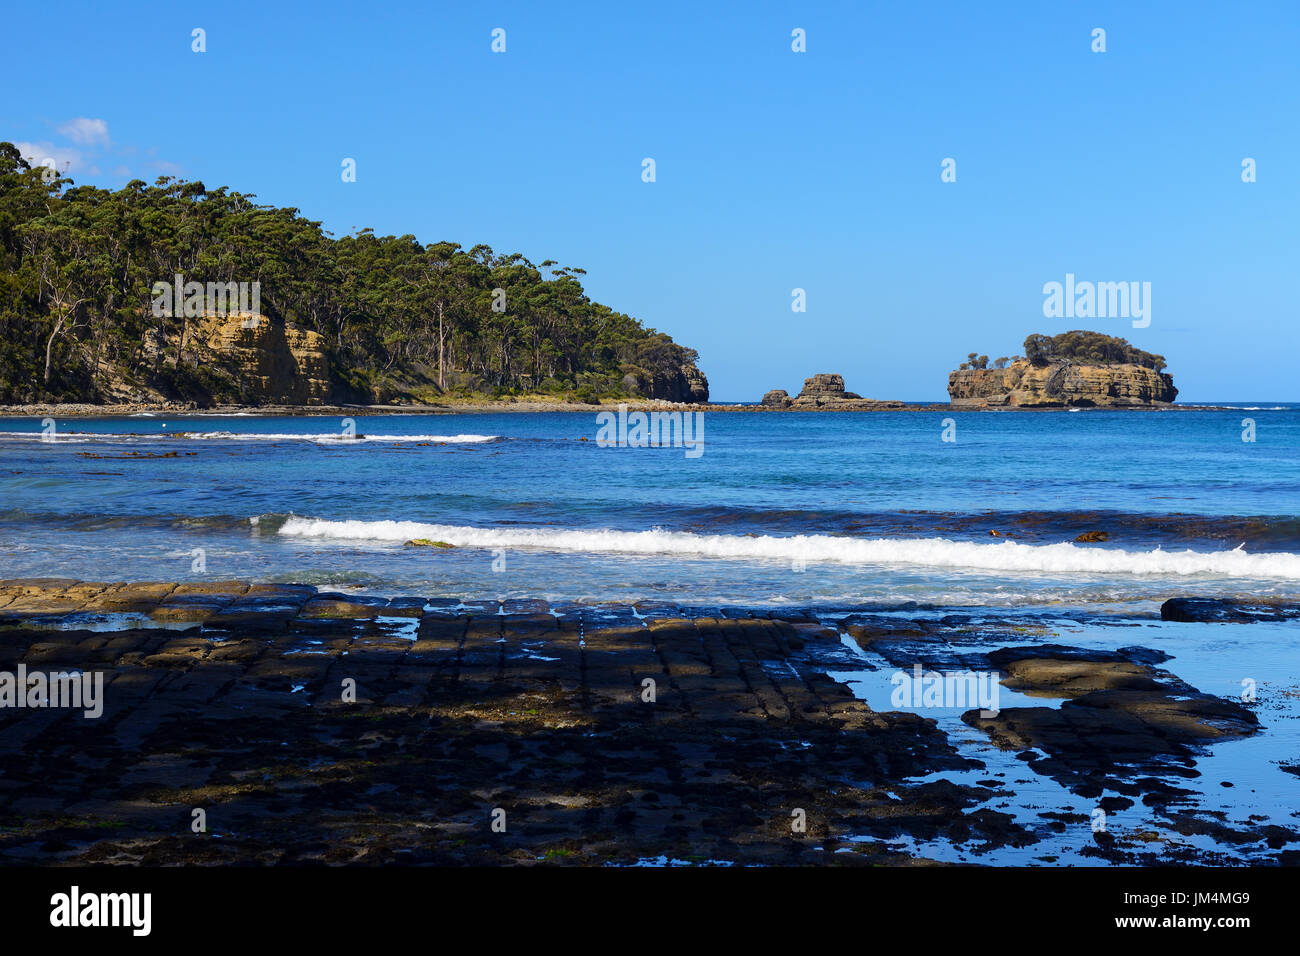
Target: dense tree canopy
1079 347
1088 348
78 263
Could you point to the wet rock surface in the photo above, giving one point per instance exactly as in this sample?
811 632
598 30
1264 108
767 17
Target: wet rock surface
1125 728
1117 709
1227 611
229 698
748 746
1114 729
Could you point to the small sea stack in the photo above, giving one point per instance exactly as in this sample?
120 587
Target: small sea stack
824 392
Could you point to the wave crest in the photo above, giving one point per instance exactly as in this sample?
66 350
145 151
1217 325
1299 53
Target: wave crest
1001 556
326 438
335 438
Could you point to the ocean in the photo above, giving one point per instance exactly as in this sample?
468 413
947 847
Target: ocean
777 508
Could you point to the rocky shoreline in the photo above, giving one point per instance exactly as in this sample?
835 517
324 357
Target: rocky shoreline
79 410
310 411
594 734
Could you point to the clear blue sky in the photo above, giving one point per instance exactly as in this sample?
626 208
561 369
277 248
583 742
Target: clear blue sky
775 170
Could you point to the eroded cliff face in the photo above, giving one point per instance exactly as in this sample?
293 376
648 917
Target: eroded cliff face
265 362
687 384
1022 385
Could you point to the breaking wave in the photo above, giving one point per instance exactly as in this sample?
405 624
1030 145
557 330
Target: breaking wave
1001 556
334 438
327 438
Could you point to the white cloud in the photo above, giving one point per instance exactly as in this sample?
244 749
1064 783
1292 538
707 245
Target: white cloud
93 154
65 159
86 131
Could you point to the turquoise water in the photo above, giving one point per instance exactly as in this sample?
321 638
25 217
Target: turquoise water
776 508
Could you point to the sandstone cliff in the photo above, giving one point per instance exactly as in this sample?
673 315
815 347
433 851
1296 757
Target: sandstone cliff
266 363
685 384
240 358
824 391
246 358
1060 384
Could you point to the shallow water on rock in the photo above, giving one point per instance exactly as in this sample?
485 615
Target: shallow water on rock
1241 783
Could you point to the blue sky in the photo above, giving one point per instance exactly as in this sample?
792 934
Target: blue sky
775 170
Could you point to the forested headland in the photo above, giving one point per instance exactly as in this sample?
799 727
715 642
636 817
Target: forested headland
397 318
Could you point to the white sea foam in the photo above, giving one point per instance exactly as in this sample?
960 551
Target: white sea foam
335 438
1001 556
1243 408
327 438
59 437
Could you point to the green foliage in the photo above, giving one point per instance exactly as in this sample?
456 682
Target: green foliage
1088 348
400 318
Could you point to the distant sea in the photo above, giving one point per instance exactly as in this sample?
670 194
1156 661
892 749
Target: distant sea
781 508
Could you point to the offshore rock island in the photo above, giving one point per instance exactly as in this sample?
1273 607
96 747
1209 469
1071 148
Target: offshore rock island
824 392
1074 369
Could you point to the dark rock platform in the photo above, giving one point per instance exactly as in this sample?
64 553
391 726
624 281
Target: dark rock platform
229 698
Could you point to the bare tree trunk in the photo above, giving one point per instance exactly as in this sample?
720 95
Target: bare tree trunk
49 346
